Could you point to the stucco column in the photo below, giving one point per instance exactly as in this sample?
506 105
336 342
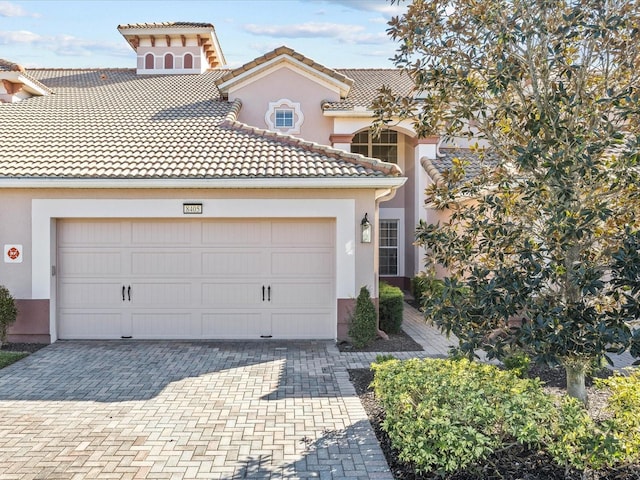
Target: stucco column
423 147
341 141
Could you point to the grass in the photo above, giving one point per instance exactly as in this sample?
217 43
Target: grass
7 358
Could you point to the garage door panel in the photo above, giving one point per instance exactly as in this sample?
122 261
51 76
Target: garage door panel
302 294
81 263
90 294
233 263
166 263
96 233
301 325
231 324
161 233
233 233
232 294
305 263
168 325
85 325
149 295
296 233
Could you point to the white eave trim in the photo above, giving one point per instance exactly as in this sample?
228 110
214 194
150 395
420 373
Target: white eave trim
356 112
27 83
246 76
229 183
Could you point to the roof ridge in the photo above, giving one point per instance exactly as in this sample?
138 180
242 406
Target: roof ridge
234 110
431 170
373 163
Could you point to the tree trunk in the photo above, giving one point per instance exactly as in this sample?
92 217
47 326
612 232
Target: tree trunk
576 372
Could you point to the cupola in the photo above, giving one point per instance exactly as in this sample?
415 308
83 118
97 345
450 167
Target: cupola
174 47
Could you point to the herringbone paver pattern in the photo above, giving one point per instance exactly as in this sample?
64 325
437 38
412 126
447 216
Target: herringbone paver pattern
192 410
187 410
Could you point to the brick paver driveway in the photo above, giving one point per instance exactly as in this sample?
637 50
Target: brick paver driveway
187 410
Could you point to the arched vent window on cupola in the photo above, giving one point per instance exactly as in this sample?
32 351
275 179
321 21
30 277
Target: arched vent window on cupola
188 61
168 61
149 61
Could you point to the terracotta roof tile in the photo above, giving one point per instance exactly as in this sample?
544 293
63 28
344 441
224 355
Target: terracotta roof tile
111 123
165 25
474 163
366 83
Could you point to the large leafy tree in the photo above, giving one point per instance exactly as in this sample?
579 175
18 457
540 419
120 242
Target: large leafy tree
542 248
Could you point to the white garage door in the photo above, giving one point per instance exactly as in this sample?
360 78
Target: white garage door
181 279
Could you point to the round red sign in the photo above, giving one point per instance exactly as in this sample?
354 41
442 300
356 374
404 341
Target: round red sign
13 253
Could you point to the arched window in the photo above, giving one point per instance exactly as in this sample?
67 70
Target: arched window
188 61
383 147
168 61
149 61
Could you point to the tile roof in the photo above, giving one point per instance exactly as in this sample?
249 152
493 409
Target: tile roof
114 124
19 74
444 162
166 25
7 66
366 85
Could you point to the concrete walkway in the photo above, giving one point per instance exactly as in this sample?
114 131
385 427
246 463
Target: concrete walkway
192 410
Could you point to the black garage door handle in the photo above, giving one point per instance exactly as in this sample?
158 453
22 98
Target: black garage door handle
123 293
129 292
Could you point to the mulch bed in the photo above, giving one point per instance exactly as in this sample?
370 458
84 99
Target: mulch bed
397 342
22 347
516 464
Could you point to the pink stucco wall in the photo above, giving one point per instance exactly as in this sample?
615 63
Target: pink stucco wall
32 324
286 83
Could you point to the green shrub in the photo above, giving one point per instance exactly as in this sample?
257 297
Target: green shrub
624 407
446 416
381 358
8 312
518 362
425 289
363 322
579 442
391 308
418 286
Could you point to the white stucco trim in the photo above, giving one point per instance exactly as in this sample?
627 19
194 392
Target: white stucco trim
298 116
229 183
399 215
284 60
44 212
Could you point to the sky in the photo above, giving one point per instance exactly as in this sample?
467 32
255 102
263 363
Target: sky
83 33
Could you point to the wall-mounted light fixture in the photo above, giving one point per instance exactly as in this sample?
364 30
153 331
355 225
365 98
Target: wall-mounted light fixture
365 230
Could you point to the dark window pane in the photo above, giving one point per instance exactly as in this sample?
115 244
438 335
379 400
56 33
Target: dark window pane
388 247
361 149
361 137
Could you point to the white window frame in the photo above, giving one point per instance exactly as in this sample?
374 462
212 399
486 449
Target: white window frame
397 215
284 104
284 117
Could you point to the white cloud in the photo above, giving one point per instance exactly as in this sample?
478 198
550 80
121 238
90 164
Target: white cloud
63 45
8 9
303 30
344 33
377 6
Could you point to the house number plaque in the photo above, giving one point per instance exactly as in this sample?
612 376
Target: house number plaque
192 208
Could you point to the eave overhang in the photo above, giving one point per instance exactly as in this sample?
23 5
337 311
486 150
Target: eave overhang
216 183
